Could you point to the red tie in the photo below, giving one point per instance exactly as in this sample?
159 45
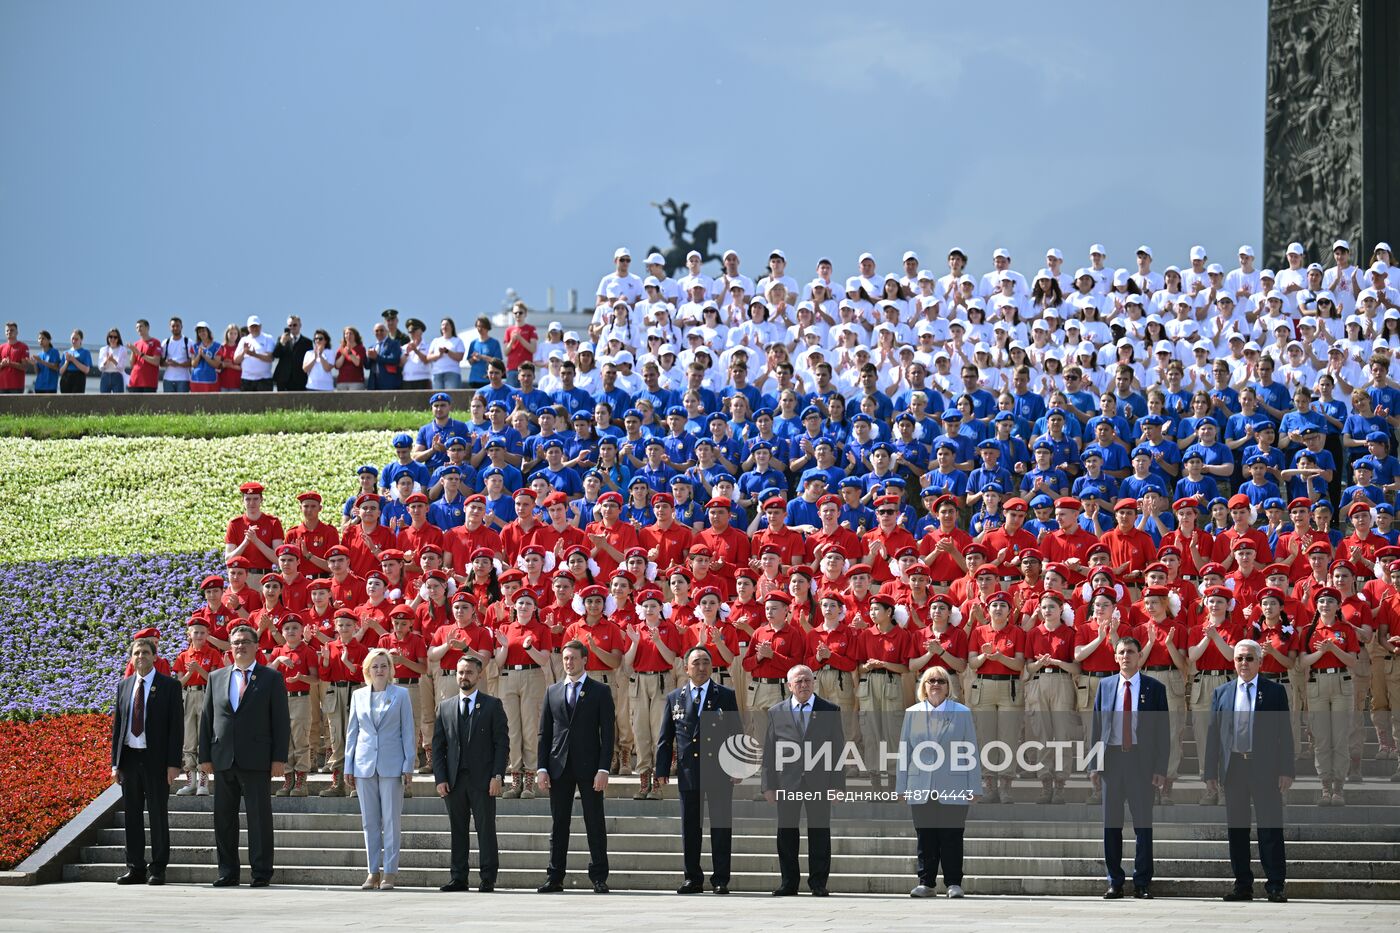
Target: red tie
1127 714
243 686
138 708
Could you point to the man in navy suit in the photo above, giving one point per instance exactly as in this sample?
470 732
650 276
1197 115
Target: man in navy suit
148 734
1252 755
700 717
575 748
1130 719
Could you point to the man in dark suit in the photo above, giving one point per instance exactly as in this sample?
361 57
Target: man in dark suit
811 724
1130 719
575 749
243 740
1249 749
148 734
700 717
470 742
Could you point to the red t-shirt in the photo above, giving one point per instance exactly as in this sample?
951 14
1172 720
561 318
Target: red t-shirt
954 642
300 666
894 646
1059 644
1010 641
352 367
789 648
648 659
318 542
842 642
335 669
208 658
267 529
476 636
144 375
17 352
231 375
518 354
605 635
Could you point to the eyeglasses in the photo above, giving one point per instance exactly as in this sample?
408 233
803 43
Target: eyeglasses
1247 657
936 682
887 512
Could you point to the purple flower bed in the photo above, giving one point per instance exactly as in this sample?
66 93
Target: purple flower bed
65 625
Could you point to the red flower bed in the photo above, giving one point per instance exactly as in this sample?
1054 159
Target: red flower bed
49 770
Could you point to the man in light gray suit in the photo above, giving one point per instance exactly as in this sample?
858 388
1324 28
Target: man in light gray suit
470 742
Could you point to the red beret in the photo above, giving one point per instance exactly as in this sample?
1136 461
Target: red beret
555 498
720 502
1015 504
196 620
701 550
532 549
919 570
1244 544
1000 596
887 500
251 489
337 550
429 549
1162 591
483 553
774 502
747 573
511 576
1032 553
1318 547
1068 502
376 575
239 563
310 496
1302 502
438 575
623 575
272 578
663 498
770 549
829 499
365 499
1239 501
1331 591
390 554
212 581
346 614
857 569
1358 507
320 584
416 497
291 549
1271 591
778 596
592 590
613 497
1212 568
709 591
1273 569
401 612
1105 591
476 499
1186 502
289 617
525 491
464 596
1219 591
679 571
1096 549
151 632
1124 504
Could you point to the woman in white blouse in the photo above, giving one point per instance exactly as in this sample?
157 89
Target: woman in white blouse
319 363
112 361
445 356
379 759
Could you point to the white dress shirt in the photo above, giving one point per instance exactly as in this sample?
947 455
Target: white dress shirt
1112 737
144 685
1246 696
235 684
703 688
467 703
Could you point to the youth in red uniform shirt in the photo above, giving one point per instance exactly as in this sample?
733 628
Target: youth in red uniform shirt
207 657
730 546
791 548
1130 549
311 536
886 539
777 644
266 528
365 541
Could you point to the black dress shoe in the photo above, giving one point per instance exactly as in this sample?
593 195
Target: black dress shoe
550 887
1278 897
260 883
820 892
601 887
455 886
691 887
1143 893
486 887
785 892
721 889
132 877
1239 896
157 879
1113 894
228 881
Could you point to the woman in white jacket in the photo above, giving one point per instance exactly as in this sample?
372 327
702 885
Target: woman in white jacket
379 754
939 775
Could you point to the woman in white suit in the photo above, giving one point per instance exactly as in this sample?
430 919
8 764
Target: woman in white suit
939 776
379 754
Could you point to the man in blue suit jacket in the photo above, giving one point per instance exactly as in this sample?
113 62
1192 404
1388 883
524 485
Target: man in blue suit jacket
1130 719
696 729
1252 755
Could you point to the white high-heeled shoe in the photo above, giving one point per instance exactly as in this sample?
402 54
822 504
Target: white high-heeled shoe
371 882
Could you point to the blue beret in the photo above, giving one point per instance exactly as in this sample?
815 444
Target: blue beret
456 441
492 471
450 470
850 482
658 442
951 414
1055 411
761 412
583 414
676 410
723 478
904 416
637 479
1386 507
699 442
594 472
1092 491
712 418
1044 444
1154 420
886 446
993 487
945 443
1004 416
1218 500
1323 504
929 491
632 413
761 445
1193 453
988 444
367 468
403 440
439 397
680 479
897 481
552 443
824 440
608 440
1274 502
810 475
498 404
1142 450
1379 436
1091 451
1041 501
811 410
1093 423
1368 463
1256 458
863 417
495 442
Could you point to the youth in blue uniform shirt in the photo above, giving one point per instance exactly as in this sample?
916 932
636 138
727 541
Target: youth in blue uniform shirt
655 471
991 470
1044 479
562 478
762 476
1363 471
963 446
679 443
984 403
1378 449
511 478
449 510
442 426
420 472
1093 475
1259 486
532 400
581 450
859 518
946 477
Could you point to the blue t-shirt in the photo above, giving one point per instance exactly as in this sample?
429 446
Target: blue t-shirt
202 372
490 347
45 379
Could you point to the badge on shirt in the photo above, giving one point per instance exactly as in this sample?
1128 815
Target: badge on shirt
677 712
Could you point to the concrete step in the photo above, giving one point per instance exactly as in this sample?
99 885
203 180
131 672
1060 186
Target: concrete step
350 837
764 880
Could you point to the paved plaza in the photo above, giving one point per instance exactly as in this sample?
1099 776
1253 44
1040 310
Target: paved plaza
104 907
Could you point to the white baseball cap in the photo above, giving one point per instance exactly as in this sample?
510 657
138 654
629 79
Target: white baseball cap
910 254
1147 250
864 256
1341 244
1097 249
656 259
1198 252
254 321
1295 249
622 252
1000 253
779 253
1053 253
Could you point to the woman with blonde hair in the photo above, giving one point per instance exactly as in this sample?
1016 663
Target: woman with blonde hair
937 737
379 754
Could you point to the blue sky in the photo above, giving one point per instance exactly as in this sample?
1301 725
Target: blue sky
333 159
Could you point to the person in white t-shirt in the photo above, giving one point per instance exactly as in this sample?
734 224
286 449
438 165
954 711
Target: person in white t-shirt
176 353
656 269
991 282
1148 282
1194 279
693 277
417 369
319 363
725 282
621 279
1100 273
1344 280
777 272
1294 279
254 354
1243 282
445 355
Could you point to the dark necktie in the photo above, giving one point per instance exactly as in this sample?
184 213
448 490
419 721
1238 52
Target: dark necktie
138 708
243 686
1244 741
572 696
804 718
694 704
1127 727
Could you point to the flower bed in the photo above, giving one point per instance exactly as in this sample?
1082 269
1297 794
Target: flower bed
65 626
109 495
49 770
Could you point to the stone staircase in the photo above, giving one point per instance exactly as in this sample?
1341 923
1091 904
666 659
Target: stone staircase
1015 849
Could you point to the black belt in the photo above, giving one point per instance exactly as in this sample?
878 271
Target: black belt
768 680
1000 676
298 693
1312 678
1052 670
1269 675
882 671
193 687
342 683
1200 674
1243 755
722 673
556 650
1155 668
444 672
408 680
519 667
651 673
